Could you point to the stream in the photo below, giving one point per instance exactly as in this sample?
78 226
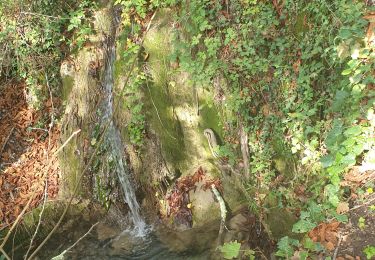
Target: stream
124 245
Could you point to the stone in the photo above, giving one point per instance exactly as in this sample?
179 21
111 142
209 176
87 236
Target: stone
230 236
104 231
204 207
236 222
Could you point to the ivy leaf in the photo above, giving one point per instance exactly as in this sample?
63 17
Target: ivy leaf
230 250
348 160
358 149
334 136
327 160
308 243
285 246
345 33
369 251
303 255
339 100
354 130
341 217
348 143
346 72
303 226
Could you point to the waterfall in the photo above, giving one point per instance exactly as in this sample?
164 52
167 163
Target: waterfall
113 140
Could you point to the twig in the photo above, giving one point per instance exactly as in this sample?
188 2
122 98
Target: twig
337 248
38 128
69 248
364 204
40 216
6 140
4 253
257 249
14 238
244 139
223 211
67 141
17 220
196 98
44 15
45 197
93 154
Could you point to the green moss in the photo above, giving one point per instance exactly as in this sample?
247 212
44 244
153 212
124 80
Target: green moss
118 70
68 83
283 159
160 114
210 117
280 223
72 163
160 96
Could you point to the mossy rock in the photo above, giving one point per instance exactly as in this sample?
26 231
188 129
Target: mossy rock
279 223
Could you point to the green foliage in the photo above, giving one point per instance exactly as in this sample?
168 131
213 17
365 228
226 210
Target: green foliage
79 23
301 79
132 92
33 41
362 223
230 250
135 10
369 251
250 253
286 247
135 105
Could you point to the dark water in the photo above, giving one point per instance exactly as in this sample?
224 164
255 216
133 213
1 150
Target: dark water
146 248
111 240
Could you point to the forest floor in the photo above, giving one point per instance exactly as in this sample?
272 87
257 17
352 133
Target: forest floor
28 169
349 240
359 232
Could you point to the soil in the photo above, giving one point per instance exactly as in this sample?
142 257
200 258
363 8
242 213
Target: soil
354 236
27 144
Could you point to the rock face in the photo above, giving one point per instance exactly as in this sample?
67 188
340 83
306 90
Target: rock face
176 114
82 78
204 206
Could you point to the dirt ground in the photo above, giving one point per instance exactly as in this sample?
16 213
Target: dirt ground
26 148
358 234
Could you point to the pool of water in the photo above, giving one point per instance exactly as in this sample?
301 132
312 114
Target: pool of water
113 240
127 247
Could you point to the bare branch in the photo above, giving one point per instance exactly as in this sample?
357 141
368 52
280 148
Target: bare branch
69 248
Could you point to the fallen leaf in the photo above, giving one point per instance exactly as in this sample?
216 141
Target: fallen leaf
343 207
329 246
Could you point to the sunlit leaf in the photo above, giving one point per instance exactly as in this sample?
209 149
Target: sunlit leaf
230 250
303 226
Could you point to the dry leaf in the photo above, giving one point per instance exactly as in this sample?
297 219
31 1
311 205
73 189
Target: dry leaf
329 246
343 207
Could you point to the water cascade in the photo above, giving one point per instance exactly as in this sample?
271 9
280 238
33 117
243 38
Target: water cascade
113 141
